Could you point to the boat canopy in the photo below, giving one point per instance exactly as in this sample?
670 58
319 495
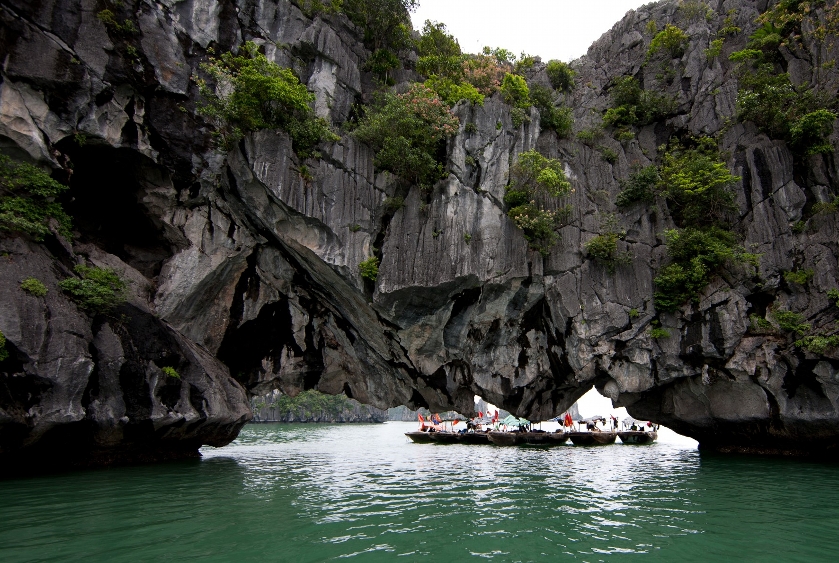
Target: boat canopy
511 420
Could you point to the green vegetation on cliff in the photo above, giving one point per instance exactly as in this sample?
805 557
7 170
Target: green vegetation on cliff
248 93
406 130
28 201
534 181
98 290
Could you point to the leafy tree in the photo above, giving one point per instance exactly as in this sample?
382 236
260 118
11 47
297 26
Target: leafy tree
369 269
552 116
561 75
452 92
671 40
484 72
28 201
640 186
515 92
439 53
386 23
533 180
98 290
632 105
249 93
697 184
405 130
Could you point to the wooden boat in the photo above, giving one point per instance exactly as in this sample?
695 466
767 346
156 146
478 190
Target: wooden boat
593 438
419 437
637 437
474 438
544 438
444 437
506 438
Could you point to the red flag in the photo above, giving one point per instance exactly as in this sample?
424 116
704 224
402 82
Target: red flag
480 414
495 417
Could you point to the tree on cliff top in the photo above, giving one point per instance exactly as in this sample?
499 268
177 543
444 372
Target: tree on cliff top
406 130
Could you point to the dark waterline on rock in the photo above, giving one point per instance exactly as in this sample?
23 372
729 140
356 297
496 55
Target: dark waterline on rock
323 492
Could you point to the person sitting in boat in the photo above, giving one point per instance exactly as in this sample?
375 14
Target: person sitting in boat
436 422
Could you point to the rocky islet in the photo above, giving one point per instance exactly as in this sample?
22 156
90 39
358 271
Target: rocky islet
244 274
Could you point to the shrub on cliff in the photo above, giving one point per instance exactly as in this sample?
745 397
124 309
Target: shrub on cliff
670 41
551 115
439 53
534 181
634 106
28 201
561 75
3 352
248 93
406 131
97 290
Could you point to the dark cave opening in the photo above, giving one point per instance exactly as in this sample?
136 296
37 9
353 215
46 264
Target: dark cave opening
105 199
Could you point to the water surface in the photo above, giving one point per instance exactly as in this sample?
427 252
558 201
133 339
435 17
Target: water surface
301 493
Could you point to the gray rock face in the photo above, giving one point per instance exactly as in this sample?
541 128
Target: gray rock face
245 268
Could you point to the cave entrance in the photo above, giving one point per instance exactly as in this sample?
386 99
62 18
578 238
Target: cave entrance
113 204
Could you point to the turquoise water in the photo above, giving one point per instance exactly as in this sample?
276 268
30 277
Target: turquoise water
302 493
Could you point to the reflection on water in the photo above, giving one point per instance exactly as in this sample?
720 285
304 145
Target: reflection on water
318 493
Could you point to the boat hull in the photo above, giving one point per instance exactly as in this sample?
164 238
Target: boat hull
419 437
445 437
506 438
593 438
544 438
637 437
474 438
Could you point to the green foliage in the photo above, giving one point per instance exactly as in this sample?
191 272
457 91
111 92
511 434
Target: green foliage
561 75
825 207
833 295
369 268
818 343
312 404
439 53
604 249
657 332
170 372
251 93
808 134
28 201
696 255
533 179
634 313
314 7
608 154
405 131
556 117
790 321
393 204
519 116
110 20
386 23
728 26
759 325
589 135
381 62
714 50
524 63
452 92
638 187
515 92
800 277
98 290
3 352
800 115
670 41
695 9
33 286
697 184
467 237
484 72
632 106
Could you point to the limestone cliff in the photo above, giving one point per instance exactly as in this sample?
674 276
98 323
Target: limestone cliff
245 267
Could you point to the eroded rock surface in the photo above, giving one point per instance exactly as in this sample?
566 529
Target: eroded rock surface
245 268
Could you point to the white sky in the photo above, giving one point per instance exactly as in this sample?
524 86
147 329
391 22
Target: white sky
552 29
